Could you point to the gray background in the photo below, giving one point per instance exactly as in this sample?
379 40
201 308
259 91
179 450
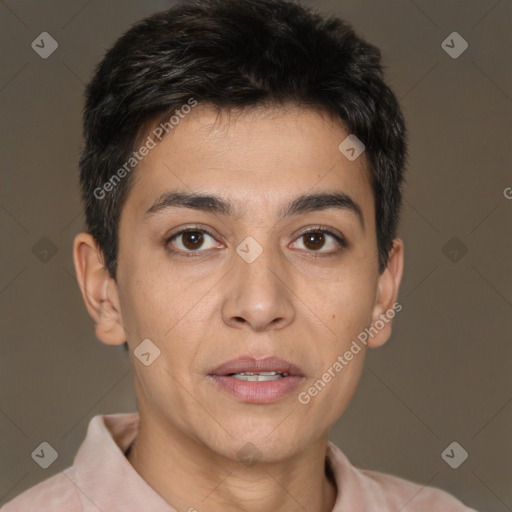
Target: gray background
445 375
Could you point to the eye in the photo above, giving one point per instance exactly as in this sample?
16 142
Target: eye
316 239
191 240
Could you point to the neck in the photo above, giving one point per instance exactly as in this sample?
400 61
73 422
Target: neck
191 478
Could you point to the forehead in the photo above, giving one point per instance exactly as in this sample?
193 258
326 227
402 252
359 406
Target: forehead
256 160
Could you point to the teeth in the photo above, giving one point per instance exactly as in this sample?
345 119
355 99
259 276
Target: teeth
258 377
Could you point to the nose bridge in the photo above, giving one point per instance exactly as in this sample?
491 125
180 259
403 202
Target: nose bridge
258 264
258 293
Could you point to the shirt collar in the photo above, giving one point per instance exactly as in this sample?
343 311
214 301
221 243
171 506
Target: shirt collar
104 476
107 481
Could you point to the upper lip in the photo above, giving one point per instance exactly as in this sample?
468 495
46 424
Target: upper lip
250 364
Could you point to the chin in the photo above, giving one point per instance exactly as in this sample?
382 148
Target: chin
263 440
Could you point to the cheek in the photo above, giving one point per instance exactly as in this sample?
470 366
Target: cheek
347 304
328 394
150 302
170 314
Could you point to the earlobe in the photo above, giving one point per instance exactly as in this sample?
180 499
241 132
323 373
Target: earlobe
99 290
385 306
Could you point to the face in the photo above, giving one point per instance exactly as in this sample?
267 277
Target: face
207 285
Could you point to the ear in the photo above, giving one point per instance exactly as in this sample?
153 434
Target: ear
386 306
99 290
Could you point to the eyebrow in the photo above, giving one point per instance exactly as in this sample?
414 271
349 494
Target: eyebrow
218 205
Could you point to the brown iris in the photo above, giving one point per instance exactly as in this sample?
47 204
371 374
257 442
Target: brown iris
192 239
314 240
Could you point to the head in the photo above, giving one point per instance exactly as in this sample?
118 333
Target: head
228 119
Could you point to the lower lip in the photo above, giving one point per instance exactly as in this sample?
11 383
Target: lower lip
264 392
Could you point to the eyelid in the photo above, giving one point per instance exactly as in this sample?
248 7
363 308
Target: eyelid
193 227
322 229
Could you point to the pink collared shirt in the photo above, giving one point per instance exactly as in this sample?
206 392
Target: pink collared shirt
102 479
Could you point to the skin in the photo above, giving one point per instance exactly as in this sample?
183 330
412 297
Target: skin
201 312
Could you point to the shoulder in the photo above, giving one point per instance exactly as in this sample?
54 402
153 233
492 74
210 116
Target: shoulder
408 496
55 494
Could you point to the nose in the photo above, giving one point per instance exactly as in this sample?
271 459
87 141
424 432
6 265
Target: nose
259 295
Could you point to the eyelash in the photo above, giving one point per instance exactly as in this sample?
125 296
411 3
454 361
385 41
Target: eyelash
314 254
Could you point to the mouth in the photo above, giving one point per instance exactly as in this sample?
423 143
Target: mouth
257 381
250 369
